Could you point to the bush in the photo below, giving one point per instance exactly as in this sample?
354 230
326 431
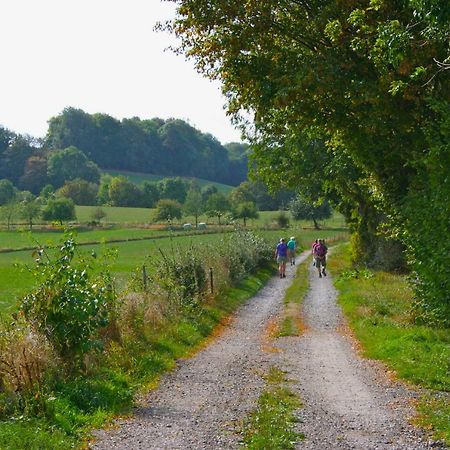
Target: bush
282 220
183 274
243 253
70 305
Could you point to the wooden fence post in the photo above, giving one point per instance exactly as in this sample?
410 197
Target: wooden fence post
144 277
211 279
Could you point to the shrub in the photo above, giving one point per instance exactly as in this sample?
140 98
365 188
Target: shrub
184 275
243 253
282 220
71 304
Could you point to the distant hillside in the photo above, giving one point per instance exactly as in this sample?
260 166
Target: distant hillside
139 178
165 147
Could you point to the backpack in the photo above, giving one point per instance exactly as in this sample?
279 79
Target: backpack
320 250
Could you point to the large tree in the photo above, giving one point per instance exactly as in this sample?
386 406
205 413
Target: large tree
368 79
81 192
123 192
71 163
300 208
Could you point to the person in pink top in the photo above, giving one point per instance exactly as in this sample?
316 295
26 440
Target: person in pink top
320 251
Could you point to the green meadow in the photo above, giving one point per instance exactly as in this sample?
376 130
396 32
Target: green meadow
15 282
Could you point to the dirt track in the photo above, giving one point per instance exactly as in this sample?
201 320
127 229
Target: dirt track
349 403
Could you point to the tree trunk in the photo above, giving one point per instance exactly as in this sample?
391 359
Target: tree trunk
316 225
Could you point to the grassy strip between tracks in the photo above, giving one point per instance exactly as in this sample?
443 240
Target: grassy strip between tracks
378 307
271 425
69 410
291 322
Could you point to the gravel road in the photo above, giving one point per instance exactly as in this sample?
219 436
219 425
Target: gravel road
348 402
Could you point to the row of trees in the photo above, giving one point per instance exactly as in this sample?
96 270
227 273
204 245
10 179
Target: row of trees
77 144
26 206
351 101
172 197
165 147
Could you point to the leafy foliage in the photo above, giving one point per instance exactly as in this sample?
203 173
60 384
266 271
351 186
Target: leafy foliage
71 303
60 209
300 208
171 147
349 99
167 209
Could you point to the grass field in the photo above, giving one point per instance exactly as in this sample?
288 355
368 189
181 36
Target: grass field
139 178
145 216
132 254
266 219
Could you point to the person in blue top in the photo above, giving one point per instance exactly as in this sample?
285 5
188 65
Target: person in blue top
292 247
281 255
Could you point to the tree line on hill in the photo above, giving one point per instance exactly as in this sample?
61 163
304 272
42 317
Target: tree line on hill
77 144
351 101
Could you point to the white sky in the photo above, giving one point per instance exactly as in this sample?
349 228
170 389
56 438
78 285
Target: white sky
100 56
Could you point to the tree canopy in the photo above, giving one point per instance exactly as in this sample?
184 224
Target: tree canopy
349 97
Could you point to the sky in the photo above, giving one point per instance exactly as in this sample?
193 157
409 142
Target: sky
100 56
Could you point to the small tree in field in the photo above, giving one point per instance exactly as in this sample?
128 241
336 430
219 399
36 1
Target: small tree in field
217 205
7 191
193 204
60 209
282 219
9 211
98 214
301 208
167 209
30 208
246 210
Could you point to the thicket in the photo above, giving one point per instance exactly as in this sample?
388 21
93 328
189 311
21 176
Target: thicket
77 350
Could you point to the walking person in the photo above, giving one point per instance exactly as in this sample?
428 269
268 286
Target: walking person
281 255
320 251
292 247
313 245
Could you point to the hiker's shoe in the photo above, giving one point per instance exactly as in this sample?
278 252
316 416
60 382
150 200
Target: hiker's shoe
324 273
320 275
284 275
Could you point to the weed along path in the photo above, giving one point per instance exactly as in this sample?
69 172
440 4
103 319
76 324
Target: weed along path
348 403
202 403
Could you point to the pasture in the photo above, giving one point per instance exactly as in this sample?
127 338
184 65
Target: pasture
15 283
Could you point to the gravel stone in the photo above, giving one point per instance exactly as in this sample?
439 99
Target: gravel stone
349 402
